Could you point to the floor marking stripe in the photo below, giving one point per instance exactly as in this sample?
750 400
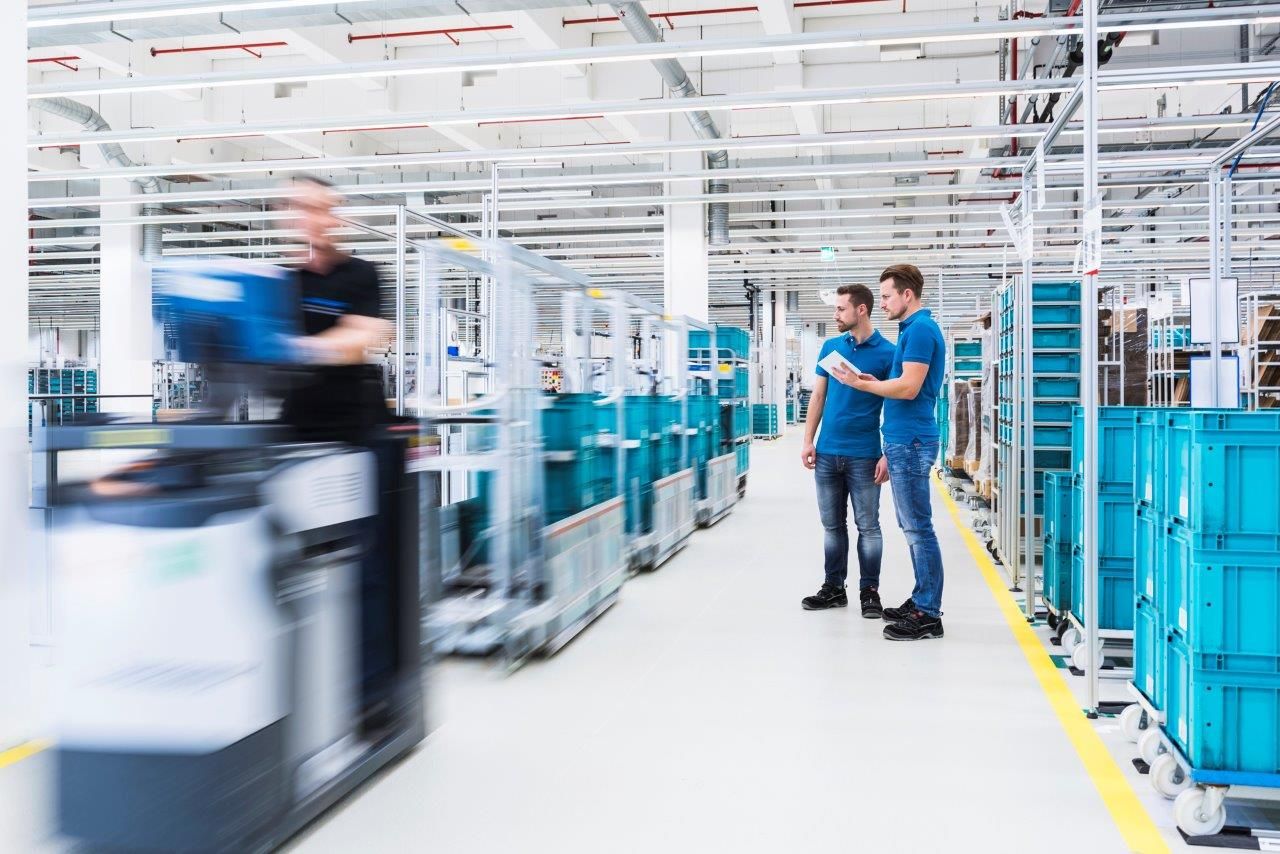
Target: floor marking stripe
1132 819
22 751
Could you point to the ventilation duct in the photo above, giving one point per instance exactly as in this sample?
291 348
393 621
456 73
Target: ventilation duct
93 122
642 29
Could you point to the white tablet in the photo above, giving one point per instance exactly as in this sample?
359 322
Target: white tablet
832 359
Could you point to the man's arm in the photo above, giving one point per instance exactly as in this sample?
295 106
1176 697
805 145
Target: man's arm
905 387
347 341
809 456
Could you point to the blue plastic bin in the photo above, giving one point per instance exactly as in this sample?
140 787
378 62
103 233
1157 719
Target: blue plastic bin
1222 469
1054 363
1115 592
1055 292
1052 412
1057 574
1222 719
1148 553
1148 456
1148 651
1222 595
1055 339
1056 387
1055 314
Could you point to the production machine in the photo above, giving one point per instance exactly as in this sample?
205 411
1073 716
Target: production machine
238 613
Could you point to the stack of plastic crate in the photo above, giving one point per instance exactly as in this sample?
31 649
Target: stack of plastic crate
1219 587
1058 543
577 474
1055 389
764 420
729 368
1115 524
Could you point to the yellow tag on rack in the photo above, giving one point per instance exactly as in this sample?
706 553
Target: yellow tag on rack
460 244
595 293
724 369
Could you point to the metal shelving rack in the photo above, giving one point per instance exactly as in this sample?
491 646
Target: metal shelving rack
70 381
1260 353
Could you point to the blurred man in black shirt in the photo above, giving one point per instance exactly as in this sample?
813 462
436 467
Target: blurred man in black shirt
342 397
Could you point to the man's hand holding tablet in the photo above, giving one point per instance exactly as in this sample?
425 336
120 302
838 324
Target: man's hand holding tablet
844 371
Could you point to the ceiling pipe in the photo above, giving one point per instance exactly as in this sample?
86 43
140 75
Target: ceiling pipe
642 29
92 121
668 16
250 48
448 33
64 61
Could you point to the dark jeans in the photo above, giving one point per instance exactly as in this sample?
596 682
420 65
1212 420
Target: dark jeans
909 467
843 481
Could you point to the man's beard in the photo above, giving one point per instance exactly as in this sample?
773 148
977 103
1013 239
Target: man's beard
845 327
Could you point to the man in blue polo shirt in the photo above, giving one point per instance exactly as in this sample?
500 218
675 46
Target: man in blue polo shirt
911 443
846 457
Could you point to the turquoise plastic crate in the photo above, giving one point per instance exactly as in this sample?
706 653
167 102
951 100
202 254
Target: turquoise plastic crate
731 338
1148 456
743 452
1055 339
1222 595
967 366
1052 437
1058 507
1222 719
1116 523
1115 592
962 349
1051 412
1056 387
1148 650
1054 460
1055 314
571 422
1055 292
1057 574
1115 446
741 420
1222 469
1055 363
1148 553
738 386
572 486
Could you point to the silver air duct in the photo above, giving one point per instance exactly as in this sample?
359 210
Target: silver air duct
642 29
92 121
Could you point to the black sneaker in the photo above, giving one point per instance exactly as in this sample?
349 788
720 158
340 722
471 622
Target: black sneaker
915 626
871 608
827 597
893 615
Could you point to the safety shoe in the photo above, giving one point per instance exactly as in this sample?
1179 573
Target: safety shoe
871 608
915 626
893 615
827 597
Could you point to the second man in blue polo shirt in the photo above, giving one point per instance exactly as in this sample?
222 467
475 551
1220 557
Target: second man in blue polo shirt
846 454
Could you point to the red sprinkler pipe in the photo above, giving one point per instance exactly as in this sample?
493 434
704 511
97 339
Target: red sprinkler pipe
57 60
447 33
668 16
250 48
809 4
535 121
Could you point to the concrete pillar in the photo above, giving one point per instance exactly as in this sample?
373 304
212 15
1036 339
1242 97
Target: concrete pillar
778 381
15 693
125 350
685 236
810 346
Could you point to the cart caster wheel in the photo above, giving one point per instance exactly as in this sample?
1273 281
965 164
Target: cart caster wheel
1167 776
1052 620
1070 640
1133 722
1189 811
1150 746
1080 657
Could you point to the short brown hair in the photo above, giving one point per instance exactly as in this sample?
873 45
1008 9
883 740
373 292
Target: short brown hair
859 295
905 277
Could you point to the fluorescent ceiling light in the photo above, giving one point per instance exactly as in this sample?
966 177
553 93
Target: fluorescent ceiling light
73 14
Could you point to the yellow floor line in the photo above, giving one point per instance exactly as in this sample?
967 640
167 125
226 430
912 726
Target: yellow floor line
1132 819
22 751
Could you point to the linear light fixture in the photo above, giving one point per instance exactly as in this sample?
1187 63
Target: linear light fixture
75 14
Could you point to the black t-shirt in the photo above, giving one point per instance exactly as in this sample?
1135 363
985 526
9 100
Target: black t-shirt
337 401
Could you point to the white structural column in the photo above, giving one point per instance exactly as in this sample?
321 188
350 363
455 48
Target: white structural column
778 382
14 664
684 257
126 338
810 346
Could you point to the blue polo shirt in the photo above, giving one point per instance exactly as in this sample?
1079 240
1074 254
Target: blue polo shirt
851 418
919 340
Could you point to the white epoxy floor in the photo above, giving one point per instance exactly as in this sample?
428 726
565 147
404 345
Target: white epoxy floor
708 712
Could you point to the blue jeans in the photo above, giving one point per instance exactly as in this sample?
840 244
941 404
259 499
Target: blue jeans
841 481
909 476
